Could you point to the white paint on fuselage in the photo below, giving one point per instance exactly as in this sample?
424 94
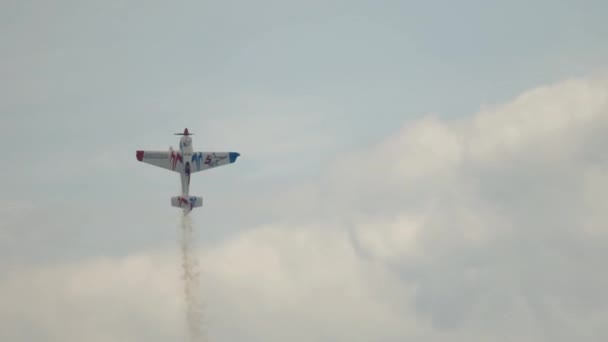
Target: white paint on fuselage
185 148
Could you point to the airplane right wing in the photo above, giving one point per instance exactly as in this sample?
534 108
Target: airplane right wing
170 160
206 160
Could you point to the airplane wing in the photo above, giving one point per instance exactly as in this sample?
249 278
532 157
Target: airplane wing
201 161
170 160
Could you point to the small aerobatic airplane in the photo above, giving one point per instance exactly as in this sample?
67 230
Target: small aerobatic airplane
185 162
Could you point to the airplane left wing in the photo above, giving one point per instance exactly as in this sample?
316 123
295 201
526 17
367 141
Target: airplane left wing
170 160
206 160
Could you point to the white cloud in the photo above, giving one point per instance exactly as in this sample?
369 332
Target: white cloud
265 285
506 199
96 300
486 228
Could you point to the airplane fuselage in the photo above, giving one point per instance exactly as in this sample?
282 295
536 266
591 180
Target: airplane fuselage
186 151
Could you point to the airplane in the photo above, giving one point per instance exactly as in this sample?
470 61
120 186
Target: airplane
185 162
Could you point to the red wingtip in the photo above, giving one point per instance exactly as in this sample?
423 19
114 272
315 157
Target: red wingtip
140 155
186 131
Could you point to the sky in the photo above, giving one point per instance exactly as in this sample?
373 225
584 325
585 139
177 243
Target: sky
408 170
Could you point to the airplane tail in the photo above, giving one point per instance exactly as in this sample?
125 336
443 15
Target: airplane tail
186 203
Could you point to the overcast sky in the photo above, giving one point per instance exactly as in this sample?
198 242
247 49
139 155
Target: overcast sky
408 171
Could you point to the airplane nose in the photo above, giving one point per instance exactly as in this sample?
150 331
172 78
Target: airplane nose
232 156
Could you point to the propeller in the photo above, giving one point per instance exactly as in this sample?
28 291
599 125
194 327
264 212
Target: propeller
184 133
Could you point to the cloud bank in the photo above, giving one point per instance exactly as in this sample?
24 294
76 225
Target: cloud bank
491 227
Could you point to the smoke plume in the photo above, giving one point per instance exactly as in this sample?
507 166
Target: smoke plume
194 308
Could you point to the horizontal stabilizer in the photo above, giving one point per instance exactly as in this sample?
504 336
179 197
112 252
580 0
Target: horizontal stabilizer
188 203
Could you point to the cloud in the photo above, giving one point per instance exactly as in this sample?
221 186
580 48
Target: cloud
249 282
96 300
496 217
486 228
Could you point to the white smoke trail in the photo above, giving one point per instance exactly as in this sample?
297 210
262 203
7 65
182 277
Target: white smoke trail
194 307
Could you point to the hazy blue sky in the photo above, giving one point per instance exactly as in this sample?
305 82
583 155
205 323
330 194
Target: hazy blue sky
310 93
